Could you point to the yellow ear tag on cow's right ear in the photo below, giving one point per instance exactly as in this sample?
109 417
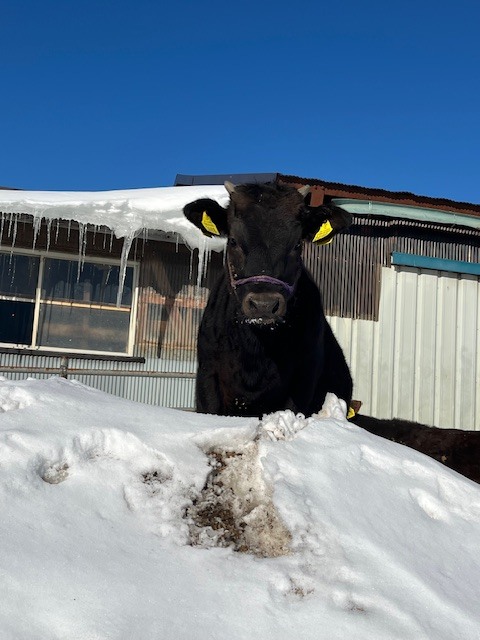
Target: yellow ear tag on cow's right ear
209 225
323 232
351 413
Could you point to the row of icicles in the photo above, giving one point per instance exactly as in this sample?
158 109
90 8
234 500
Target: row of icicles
9 223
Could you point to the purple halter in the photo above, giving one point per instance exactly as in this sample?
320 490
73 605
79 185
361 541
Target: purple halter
289 288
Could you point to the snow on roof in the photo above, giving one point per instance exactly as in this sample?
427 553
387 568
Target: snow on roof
126 212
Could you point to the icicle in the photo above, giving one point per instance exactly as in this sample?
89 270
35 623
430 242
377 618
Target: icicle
111 240
203 256
37 224
14 235
49 227
207 261
190 274
2 221
68 230
127 244
104 239
145 239
57 231
82 245
10 220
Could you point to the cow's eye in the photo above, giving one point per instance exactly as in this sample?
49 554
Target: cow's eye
298 246
232 242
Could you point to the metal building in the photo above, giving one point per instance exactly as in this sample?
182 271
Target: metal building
401 289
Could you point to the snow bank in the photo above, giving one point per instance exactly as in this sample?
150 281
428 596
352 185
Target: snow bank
105 535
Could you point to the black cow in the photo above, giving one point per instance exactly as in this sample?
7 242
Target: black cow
264 343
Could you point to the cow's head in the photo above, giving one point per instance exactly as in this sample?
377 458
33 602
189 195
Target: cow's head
265 226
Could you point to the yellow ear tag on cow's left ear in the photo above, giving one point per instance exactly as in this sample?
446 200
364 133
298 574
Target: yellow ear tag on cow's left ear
351 413
209 225
325 230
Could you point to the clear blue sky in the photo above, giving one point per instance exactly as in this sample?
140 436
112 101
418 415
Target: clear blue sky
112 95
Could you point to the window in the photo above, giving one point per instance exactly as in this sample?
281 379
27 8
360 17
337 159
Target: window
56 303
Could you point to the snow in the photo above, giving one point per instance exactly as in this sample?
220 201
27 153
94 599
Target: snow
122 520
126 212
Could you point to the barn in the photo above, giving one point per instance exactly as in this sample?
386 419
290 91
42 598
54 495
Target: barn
108 288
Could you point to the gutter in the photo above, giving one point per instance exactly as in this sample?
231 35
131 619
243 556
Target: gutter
368 207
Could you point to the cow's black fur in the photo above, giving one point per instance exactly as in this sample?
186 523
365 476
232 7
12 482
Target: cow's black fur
263 346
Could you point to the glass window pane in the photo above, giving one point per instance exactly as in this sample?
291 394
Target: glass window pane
87 329
18 275
16 322
95 283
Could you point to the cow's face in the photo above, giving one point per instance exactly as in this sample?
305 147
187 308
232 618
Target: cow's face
265 226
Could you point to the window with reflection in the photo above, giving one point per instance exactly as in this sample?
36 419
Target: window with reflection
54 302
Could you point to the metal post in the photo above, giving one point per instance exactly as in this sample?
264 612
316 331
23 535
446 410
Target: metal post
64 367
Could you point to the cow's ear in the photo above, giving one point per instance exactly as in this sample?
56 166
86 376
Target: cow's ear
208 216
321 223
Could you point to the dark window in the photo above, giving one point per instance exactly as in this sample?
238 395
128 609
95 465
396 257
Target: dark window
96 283
18 275
16 321
76 307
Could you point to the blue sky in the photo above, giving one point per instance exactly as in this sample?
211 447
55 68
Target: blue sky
113 95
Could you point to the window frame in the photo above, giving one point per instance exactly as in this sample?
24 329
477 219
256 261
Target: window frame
38 300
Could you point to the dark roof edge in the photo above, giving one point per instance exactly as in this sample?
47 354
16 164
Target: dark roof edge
339 190
237 178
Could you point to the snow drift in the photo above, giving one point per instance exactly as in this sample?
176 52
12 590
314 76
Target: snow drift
122 520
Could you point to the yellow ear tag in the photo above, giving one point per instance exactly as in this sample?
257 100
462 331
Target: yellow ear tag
324 231
209 224
351 413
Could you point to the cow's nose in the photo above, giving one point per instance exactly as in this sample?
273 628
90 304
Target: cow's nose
264 306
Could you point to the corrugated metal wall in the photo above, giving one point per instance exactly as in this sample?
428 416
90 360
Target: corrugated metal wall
152 382
421 360
348 270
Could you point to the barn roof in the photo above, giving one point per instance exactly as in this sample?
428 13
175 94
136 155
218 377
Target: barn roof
330 190
324 190
127 212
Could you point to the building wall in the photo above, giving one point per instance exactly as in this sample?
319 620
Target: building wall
410 336
171 300
348 271
421 360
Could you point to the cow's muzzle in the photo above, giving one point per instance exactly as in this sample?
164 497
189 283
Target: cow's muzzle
264 307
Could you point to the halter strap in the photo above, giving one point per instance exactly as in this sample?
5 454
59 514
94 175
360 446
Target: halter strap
289 288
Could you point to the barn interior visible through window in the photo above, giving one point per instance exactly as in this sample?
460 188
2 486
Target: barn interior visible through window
51 301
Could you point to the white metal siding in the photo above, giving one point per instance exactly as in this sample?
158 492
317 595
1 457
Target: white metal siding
421 360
